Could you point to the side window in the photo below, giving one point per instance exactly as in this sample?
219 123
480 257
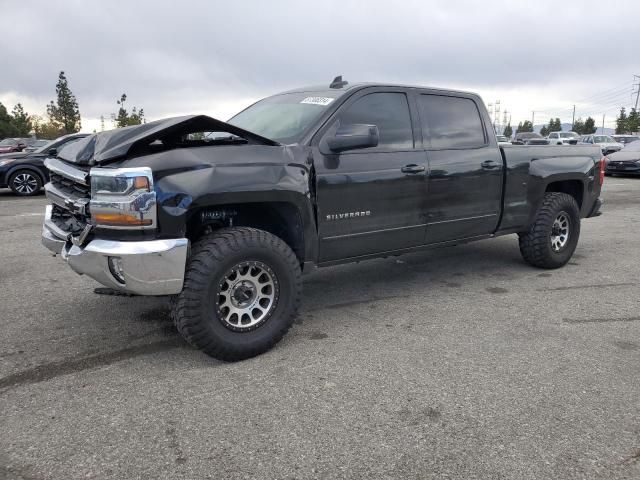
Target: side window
451 122
553 135
390 112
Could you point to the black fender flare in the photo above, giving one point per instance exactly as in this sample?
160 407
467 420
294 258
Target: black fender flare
584 171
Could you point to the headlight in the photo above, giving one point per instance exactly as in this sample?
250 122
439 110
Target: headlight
122 198
7 161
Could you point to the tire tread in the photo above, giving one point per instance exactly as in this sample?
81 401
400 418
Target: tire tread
206 257
534 244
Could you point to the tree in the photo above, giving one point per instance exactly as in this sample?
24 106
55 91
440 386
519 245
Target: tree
555 125
124 119
43 129
508 131
544 131
525 126
578 126
21 121
633 121
621 121
65 112
7 128
589 126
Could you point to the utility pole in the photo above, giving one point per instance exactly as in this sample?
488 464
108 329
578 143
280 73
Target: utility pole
638 92
603 123
573 121
102 123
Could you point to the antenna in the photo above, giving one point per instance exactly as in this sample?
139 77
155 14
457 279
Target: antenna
338 82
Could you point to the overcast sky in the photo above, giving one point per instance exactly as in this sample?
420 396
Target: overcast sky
215 57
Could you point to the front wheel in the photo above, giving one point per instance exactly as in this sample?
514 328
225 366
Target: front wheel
25 183
241 291
553 237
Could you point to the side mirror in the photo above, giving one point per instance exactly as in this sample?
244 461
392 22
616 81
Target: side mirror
52 151
354 136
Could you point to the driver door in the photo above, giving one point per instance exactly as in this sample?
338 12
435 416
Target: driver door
371 200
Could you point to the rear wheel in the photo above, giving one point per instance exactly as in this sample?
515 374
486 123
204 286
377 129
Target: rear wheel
241 292
553 237
25 183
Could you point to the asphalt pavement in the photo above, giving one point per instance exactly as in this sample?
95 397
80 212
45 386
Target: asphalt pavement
462 362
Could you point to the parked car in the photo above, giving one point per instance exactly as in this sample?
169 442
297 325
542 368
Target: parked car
625 139
529 138
626 161
228 221
9 145
605 142
563 138
35 145
25 173
502 140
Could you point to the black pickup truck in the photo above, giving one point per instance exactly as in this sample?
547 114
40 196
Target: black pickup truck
225 217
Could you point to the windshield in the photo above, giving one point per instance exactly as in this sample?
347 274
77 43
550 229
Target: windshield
568 135
603 139
283 118
625 139
8 142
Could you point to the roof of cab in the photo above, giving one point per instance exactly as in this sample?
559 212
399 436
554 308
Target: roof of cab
324 89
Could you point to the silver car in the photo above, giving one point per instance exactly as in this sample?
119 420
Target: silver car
563 138
605 142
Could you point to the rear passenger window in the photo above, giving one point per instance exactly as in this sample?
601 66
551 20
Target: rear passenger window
390 112
451 122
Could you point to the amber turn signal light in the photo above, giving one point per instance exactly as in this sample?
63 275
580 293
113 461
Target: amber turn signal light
120 219
141 183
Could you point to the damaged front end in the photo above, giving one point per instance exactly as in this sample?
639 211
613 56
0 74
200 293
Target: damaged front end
118 199
121 201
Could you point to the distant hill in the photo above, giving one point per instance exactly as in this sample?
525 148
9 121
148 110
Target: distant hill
566 127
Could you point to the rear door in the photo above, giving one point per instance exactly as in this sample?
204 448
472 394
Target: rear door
372 200
465 168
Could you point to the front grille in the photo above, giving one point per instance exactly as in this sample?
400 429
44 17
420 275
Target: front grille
65 220
68 186
69 191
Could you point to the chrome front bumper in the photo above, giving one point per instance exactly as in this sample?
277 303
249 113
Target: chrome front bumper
154 267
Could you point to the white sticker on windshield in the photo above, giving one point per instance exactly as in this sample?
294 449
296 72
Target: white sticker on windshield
324 101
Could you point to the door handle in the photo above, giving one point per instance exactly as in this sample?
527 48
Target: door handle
413 168
489 165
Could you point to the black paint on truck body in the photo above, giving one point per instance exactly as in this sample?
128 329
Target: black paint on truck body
355 204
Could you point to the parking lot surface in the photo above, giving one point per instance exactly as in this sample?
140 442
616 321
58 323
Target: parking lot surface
462 362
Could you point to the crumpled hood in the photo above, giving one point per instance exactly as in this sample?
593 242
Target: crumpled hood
115 144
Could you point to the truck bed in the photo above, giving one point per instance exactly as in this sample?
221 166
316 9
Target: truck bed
531 168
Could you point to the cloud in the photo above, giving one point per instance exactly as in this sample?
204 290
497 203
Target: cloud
215 57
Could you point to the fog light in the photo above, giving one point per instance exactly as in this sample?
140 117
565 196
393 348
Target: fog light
115 267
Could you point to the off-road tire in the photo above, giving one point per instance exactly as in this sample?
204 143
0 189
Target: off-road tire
195 310
535 244
34 183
